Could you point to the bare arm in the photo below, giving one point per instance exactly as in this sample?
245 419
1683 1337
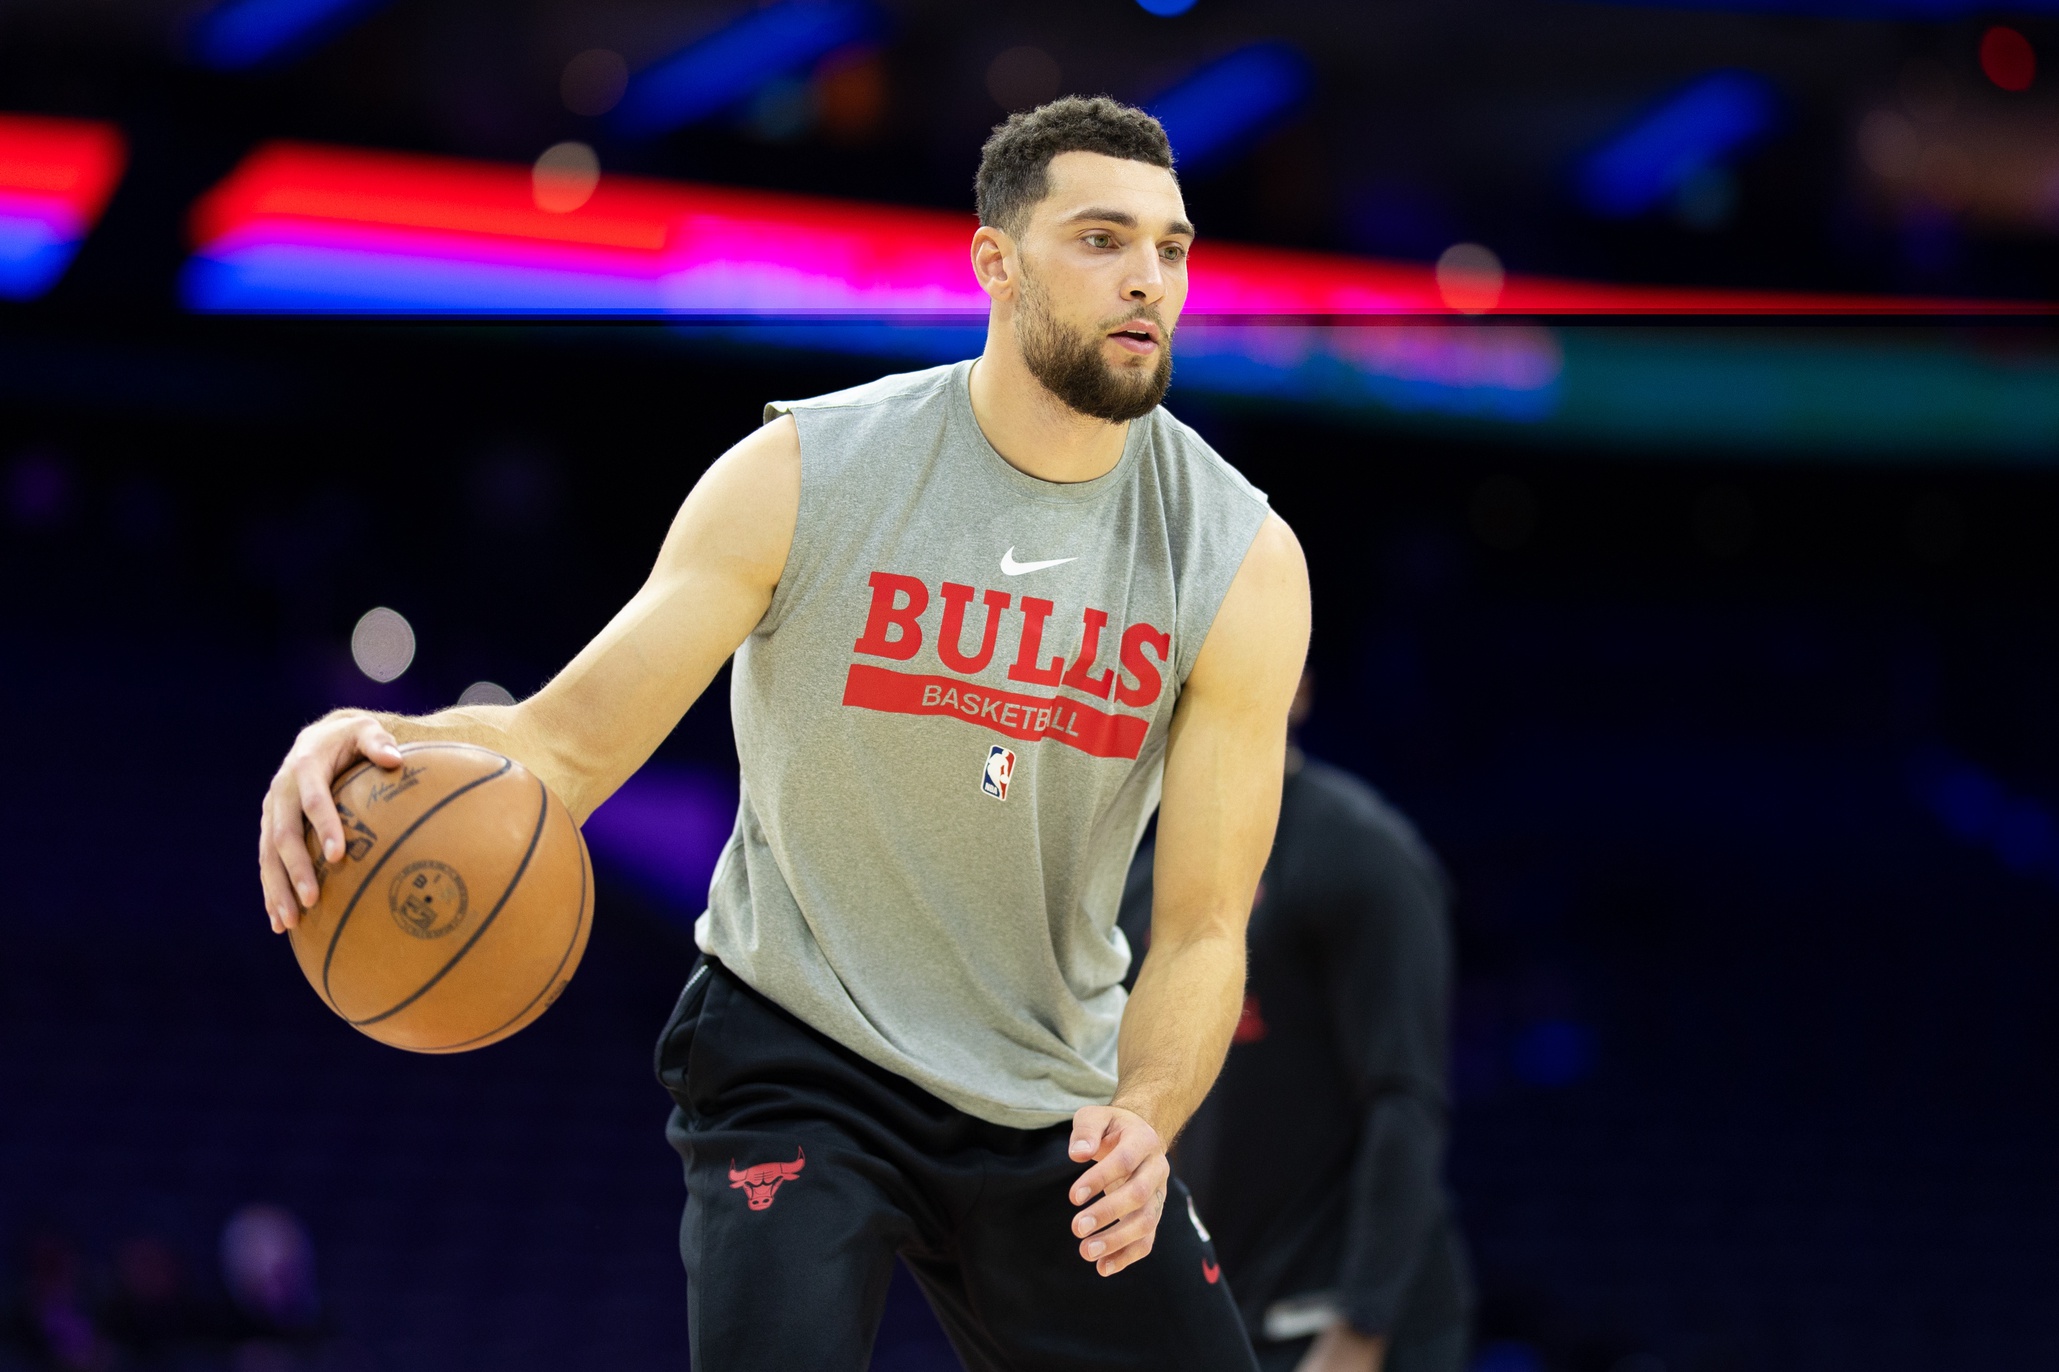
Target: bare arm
597 721
1223 767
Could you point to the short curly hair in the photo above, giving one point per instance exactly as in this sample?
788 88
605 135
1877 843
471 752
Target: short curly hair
1015 164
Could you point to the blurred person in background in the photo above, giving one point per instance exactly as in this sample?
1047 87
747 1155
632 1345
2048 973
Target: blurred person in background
1317 1160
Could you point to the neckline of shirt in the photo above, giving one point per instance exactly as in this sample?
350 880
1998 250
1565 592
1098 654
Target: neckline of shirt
1035 487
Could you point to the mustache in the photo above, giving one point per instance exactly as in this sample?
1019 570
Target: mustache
1145 312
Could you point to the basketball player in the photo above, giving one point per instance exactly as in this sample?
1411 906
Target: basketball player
1337 1233
985 618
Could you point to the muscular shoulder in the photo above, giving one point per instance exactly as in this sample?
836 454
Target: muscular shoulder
1276 563
740 515
1260 634
764 465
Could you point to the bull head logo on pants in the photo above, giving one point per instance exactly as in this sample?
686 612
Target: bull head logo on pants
761 1183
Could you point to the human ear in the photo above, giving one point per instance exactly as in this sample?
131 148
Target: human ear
993 262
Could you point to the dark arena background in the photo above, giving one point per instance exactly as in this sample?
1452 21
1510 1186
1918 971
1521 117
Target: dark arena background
1667 399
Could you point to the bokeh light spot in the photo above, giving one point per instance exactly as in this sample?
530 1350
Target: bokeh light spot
2008 58
382 644
268 1266
1165 9
594 81
1470 278
565 177
1023 78
851 96
487 693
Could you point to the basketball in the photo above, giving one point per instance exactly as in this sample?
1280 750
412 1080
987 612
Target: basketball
461 905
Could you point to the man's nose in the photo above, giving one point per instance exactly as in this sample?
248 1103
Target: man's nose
1146 285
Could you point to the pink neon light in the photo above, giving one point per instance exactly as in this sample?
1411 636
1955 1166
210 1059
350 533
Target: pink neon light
685 248
696 247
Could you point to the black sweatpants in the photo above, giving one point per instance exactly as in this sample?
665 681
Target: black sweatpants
808 1169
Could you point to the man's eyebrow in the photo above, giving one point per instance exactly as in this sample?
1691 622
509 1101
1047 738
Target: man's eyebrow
1124 219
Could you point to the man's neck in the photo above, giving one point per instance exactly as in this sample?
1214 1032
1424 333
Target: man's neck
1032 429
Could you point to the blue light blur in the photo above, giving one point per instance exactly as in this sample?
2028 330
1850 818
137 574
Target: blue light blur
1165 9
1508 1355
1222 108
2020 830
1554 1052
238 34
1712 118
33 254
290 278
729 65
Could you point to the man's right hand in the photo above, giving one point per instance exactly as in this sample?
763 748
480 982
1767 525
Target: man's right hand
299 798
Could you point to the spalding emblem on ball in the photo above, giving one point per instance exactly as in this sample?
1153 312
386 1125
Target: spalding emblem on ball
428 899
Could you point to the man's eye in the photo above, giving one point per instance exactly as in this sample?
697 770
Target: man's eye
1099 240
1174 252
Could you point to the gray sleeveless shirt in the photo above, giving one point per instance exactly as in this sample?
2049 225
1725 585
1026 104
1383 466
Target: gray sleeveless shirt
952 725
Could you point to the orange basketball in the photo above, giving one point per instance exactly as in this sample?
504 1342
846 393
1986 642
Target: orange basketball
460 908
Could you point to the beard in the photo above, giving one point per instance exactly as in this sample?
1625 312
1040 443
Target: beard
1069 363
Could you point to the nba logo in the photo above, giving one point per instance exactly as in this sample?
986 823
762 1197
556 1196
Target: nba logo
1000 766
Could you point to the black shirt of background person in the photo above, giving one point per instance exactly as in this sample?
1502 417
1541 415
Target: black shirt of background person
1316 1161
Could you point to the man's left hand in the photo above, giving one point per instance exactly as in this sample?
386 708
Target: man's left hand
1129 1176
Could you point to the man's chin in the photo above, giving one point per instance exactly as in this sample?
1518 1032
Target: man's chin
1123 397
1134 374
1121 361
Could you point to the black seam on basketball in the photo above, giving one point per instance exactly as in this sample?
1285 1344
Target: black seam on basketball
342 920
349 776
329 954
542 817
550 981
353 774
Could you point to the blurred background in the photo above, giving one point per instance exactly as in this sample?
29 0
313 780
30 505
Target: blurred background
1666 399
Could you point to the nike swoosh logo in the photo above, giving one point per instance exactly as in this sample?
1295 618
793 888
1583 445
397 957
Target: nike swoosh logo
1010 567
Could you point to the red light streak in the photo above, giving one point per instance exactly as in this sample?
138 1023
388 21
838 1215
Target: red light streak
68 165
871 259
